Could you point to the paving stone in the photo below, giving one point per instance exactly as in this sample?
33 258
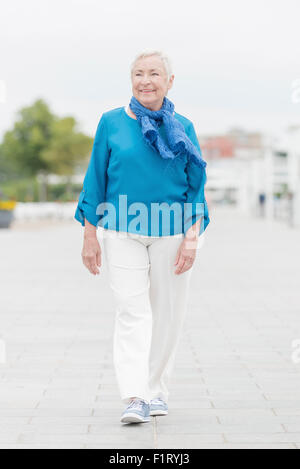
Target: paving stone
235 384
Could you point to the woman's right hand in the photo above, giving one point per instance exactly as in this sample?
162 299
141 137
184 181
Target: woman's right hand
91 251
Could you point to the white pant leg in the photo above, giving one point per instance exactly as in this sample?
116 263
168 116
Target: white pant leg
148 323
169 300
128 268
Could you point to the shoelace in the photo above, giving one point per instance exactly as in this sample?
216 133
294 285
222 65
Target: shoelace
157 400
136 403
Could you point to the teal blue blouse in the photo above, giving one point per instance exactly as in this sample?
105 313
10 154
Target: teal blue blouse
129 187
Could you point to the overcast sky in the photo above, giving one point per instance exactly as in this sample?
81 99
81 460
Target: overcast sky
235 62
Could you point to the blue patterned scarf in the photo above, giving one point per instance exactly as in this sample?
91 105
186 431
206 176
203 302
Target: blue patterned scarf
177 140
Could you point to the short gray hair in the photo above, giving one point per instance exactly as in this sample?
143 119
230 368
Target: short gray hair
148 53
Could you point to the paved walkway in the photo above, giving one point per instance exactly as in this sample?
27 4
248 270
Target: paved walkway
235 383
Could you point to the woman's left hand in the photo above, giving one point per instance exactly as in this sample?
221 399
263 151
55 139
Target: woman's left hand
187 250
186 255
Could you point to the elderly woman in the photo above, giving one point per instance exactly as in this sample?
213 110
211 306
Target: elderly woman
145 158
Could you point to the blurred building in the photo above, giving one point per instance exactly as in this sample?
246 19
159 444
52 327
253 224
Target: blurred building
257 173
229 157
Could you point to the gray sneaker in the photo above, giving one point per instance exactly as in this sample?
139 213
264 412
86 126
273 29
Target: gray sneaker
136 412
158 407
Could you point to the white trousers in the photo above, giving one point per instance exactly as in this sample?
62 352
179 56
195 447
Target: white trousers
151 305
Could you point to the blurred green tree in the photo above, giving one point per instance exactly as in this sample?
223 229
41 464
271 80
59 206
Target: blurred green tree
40 144
66 149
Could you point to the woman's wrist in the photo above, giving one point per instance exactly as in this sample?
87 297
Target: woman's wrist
193 232
90 231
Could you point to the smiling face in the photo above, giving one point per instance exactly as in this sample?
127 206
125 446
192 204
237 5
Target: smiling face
150 83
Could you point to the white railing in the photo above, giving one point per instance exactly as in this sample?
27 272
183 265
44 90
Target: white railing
44 210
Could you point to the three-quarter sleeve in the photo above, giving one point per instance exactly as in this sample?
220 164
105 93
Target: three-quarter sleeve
195 197
94 184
